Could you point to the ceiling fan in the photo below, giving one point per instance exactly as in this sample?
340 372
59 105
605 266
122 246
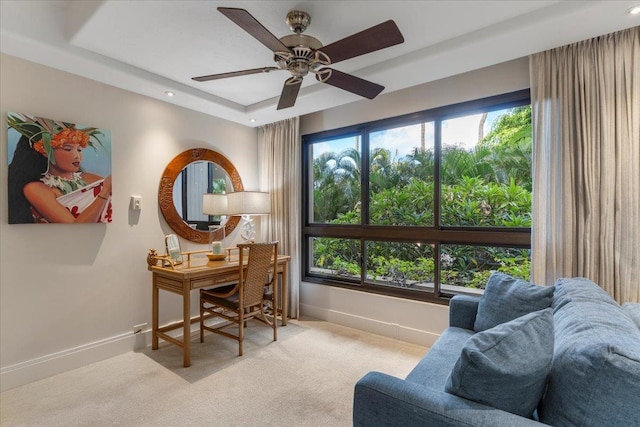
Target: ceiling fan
301 54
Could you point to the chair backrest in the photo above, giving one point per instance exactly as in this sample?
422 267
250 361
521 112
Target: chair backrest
261 256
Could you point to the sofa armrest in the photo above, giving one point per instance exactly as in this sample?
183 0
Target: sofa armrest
463 310
384 400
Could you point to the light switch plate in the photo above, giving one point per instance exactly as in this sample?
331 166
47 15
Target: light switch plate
136 203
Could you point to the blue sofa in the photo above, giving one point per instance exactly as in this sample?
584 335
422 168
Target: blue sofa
591 376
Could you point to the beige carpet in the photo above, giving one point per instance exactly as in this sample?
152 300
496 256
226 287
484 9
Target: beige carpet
306 378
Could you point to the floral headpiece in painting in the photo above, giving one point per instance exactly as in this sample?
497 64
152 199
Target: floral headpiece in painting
46 134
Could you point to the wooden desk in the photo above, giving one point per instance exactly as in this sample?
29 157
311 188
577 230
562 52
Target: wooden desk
199 272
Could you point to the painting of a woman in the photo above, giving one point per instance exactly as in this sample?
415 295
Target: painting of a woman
47 181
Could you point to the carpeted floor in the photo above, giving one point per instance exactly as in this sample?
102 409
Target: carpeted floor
306 378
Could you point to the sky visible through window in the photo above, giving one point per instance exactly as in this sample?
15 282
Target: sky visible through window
404 139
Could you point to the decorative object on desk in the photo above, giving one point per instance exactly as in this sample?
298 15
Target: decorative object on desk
216 247
216 257
173 248
216 205
248 204
152 258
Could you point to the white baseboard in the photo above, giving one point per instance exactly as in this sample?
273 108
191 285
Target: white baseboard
391 330
52 364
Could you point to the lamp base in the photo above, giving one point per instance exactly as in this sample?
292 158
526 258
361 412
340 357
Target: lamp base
248 229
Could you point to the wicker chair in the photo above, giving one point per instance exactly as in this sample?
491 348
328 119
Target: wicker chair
246 299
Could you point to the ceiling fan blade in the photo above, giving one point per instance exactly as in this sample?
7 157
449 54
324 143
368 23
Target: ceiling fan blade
289 92
349 83
234 74
375 38
251 25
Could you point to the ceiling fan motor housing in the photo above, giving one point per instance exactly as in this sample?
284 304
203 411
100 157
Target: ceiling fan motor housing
302 56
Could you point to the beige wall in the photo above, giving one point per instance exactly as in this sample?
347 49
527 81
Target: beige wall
410 321
70 294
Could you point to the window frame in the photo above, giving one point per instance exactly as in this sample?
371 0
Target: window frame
516 237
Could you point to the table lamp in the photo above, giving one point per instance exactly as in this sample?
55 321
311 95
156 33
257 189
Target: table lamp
248 204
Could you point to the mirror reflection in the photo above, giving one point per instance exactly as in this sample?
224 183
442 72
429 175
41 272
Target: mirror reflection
181 189
191 183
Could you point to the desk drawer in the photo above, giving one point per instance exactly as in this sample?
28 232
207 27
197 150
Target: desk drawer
169 284
214 281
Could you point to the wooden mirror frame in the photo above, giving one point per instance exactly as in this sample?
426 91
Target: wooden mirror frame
165 193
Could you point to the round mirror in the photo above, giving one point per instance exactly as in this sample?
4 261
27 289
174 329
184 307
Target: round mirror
189 175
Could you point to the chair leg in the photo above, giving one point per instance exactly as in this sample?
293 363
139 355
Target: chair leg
201 322
240 332
275 309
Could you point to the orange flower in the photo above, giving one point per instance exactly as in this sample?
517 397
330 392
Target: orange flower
65 136
70 136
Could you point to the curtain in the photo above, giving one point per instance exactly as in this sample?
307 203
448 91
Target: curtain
586 163
280 172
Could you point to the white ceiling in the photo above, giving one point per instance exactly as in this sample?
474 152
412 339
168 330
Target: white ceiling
150 47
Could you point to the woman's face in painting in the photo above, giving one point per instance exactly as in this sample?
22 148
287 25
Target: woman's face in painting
68 159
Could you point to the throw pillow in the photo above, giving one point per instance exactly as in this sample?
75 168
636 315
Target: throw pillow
506 367
506 298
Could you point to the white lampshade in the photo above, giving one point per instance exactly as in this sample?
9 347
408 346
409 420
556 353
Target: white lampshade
248 203
214 204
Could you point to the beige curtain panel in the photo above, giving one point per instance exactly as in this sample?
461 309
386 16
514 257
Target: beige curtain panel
280 172
586 163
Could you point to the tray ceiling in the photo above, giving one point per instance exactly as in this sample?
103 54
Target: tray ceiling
150 47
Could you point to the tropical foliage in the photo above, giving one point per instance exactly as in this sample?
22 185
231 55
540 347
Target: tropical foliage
486 186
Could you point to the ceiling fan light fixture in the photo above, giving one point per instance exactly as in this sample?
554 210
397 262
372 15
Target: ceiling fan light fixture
299 67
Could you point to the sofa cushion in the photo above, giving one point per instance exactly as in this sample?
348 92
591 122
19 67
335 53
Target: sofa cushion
434 368
506 366
576 289
633 310
595 378
506 298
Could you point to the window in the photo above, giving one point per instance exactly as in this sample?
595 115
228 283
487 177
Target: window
421 206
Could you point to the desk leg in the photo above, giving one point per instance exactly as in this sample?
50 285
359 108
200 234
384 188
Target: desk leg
154 315
285 294
186 326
